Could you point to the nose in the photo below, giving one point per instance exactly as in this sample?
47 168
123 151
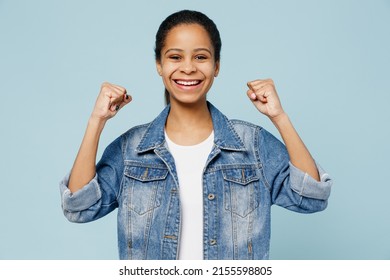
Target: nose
188 66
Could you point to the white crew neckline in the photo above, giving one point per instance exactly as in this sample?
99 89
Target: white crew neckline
184 147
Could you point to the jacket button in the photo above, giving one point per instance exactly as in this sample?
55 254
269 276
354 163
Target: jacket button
211 196
213 242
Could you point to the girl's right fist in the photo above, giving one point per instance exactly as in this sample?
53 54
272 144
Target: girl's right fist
109 101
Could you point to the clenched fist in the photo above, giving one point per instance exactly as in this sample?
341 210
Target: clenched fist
110 99
263 95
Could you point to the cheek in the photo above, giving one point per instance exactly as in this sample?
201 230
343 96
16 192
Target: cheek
209 71
166 75
168 70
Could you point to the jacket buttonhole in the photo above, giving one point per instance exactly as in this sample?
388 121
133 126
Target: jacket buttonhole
144 176
250 248
170 237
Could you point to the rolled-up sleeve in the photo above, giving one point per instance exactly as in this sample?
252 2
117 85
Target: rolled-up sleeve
100 196
81 200
303 184
289 186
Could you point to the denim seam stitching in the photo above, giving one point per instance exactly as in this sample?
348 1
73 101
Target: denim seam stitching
258 157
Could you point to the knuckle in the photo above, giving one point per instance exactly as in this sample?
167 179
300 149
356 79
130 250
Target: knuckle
105 85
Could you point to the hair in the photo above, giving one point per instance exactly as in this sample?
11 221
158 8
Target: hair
187 17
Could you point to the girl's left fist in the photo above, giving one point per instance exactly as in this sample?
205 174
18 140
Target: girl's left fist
263 95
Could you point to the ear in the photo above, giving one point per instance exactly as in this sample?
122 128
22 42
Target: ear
159 67
216 69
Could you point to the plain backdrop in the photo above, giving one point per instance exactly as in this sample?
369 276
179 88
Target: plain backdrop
330 61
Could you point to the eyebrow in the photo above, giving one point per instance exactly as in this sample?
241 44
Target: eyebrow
195 50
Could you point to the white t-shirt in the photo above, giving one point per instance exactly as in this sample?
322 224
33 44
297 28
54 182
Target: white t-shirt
190 162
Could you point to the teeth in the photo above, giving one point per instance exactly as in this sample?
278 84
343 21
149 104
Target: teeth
187 83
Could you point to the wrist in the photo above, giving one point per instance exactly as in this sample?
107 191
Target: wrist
280 119
96 123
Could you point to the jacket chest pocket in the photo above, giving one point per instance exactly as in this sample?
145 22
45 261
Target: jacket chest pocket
241 190
145 187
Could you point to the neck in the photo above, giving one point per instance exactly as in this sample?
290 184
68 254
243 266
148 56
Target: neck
189 125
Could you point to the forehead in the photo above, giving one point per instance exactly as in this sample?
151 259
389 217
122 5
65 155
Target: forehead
187 36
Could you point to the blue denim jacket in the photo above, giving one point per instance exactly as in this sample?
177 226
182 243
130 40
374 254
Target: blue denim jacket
247 171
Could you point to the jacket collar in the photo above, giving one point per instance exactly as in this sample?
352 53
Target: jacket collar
225 137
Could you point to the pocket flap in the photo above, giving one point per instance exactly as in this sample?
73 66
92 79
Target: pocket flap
145 174
242 176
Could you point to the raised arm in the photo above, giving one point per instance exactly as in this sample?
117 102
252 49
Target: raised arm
263 95
110 99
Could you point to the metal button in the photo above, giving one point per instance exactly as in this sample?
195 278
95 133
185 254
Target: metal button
213 242
211 196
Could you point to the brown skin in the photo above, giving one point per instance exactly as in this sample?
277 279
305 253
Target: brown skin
263 95
84 168
188 69
188 56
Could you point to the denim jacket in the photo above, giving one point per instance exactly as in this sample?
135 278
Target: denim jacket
247 171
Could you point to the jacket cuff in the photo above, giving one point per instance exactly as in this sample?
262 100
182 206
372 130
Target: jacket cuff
303 184
82 199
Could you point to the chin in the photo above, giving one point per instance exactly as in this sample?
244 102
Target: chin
189 100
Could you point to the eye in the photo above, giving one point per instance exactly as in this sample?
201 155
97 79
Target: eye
200 57
174 57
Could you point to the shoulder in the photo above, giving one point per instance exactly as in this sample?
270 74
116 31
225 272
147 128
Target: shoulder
131 137
241 125
135 133
138 129
243 128
244 124
259 135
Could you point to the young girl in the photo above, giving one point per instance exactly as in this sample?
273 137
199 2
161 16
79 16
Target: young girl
192 184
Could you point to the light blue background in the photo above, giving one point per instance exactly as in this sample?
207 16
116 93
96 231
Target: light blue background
330 61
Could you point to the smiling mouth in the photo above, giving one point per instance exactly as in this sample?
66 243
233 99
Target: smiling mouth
188 82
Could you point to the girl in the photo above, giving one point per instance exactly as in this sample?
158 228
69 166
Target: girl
192 184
